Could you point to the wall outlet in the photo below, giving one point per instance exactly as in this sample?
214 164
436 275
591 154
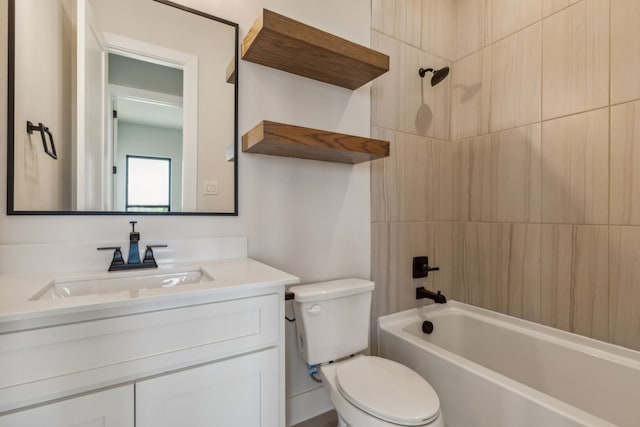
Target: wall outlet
210 188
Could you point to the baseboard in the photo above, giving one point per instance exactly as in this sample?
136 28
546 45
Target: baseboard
307 405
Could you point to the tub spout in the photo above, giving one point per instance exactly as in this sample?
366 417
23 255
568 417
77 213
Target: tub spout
421 292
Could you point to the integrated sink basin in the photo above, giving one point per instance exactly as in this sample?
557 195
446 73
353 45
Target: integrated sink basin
107 284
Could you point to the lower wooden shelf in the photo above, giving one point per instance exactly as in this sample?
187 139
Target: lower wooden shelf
279 139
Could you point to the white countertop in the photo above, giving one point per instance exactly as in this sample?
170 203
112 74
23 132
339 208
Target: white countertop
232 278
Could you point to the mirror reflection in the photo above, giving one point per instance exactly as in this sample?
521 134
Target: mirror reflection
135 99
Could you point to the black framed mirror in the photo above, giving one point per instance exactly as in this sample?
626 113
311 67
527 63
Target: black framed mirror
93 83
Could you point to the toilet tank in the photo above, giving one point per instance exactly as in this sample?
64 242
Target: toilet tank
332 319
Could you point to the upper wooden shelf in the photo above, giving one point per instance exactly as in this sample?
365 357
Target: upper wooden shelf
278 139
280 42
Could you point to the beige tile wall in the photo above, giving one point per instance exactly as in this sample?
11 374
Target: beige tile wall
625 43
470 95
509 16
515 79
413 200
575 59
519 176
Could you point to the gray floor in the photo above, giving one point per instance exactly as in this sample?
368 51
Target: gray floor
328 419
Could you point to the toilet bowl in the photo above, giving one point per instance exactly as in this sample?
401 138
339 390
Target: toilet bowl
332 324
374 392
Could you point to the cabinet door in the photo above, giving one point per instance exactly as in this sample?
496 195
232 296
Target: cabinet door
241 392
110 408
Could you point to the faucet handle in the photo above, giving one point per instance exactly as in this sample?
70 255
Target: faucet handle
117 255
148 254
116 249
421 267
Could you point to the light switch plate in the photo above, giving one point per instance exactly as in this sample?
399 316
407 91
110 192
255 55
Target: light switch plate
210 188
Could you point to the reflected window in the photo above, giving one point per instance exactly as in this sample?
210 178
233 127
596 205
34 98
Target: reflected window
148 184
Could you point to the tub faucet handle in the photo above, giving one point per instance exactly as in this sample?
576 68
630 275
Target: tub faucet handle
421 267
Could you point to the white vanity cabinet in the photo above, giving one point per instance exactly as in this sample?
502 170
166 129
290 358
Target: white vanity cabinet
217 362
109 408
239 392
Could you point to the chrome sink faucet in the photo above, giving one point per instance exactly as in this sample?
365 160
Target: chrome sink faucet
133 261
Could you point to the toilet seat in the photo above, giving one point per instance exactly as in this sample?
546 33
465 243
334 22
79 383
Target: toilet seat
388 391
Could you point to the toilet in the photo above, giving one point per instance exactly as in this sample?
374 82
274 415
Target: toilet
332 328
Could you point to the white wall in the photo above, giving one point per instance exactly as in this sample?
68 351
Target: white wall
311 219
48 96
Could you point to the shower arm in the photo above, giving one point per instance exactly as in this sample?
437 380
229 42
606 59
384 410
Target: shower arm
423 71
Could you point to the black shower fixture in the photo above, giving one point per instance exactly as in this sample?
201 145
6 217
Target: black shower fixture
438 75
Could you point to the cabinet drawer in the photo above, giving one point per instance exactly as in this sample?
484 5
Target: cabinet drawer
141 344
242 392
110 408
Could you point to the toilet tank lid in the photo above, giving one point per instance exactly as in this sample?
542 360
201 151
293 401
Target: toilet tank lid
332 289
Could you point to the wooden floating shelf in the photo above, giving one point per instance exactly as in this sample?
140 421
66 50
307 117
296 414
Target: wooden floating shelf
278 139
280 42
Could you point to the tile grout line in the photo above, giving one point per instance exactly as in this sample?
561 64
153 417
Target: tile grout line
541 205
609 192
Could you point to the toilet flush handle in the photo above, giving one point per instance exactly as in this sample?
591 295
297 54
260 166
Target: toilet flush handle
314 309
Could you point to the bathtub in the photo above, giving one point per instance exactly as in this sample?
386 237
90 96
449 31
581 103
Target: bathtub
493 370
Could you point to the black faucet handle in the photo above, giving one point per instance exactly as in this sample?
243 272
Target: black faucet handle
134 237
421 267
117 259
148 254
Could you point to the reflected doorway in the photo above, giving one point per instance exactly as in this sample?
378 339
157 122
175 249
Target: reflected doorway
147 122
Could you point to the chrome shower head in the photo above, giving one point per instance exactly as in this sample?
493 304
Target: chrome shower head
438 75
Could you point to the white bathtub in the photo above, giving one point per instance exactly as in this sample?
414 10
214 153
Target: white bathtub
493 370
